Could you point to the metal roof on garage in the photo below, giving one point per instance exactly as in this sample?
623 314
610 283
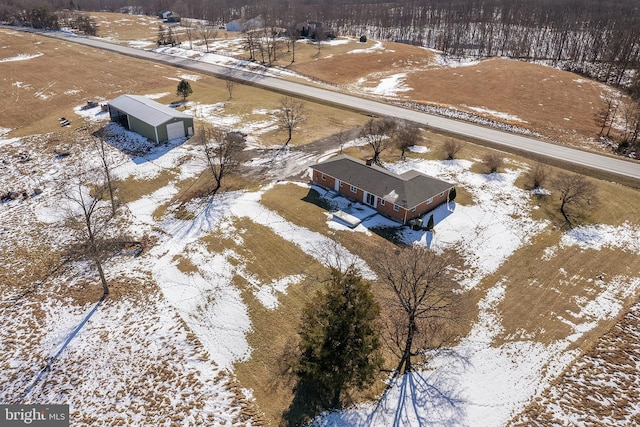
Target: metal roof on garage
147 110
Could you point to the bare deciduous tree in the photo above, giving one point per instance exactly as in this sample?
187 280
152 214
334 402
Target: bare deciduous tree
451 147
493 161
290 114
406 135
294 35
170 37
377 134
576 192
538 175
89 214
251 42
631 117
320 35
206 33
161 35
425 301
230 84
106 163
189 28
606 115
222 152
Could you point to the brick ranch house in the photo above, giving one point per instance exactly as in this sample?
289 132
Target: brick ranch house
400 197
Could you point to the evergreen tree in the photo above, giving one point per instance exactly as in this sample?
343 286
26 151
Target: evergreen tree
340 345
184 89
430 223
452 194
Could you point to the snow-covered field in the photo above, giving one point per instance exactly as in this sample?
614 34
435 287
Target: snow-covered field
161 349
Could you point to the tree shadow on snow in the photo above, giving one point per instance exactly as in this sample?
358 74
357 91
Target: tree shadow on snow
421 401
419 398
408 235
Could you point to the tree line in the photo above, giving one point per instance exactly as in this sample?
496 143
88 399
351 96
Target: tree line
597 38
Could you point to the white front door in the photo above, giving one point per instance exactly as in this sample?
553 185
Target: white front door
336 186
370 199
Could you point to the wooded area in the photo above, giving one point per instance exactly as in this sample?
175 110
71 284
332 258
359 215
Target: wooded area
597 38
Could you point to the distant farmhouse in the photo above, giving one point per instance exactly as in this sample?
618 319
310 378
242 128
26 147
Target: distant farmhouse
315 30
165 14
400 197
169 16
239 25
149 118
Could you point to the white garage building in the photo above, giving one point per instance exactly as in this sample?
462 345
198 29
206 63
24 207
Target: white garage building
149 118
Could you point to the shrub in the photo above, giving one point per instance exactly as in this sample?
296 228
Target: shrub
452 194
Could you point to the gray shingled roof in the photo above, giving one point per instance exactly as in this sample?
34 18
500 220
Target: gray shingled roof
406 190
147 110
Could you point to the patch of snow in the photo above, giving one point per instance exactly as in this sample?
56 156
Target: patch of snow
419 149
22 57
541 192
463 115
157 95
267 294
377 46
390 86
141 44
625 237
6 141
312 243
485 233
338 41
496 114
91 114
192 77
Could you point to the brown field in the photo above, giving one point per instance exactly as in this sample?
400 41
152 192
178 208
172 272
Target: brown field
601 385
50 92
565 112
122 28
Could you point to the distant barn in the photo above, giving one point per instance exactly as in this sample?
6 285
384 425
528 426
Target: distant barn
149 118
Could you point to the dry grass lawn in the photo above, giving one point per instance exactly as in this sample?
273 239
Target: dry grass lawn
343 65
123 28
273 330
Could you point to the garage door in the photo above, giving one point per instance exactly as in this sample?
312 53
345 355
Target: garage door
175 130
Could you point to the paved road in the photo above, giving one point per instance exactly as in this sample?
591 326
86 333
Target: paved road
625 171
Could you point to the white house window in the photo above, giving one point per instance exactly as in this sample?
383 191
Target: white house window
381 202
322 177
340 183
414 209
429 200
442 194
396 208
354 189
